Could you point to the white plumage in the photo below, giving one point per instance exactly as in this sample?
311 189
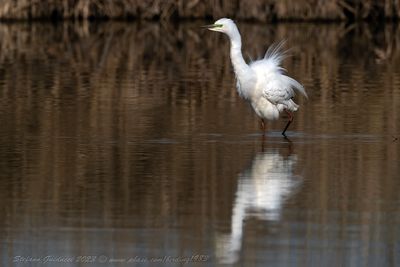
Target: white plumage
263 82
262 190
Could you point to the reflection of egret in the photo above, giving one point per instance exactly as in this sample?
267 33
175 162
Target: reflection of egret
263 82
262 191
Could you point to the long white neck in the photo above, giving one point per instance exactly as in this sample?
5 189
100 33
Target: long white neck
239 65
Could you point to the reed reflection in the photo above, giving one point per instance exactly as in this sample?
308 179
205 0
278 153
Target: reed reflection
263 188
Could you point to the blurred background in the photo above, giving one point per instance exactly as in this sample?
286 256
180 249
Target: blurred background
256 10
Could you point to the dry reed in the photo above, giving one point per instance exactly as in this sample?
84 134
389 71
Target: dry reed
260 10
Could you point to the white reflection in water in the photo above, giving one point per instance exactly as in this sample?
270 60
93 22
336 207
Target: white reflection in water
262 191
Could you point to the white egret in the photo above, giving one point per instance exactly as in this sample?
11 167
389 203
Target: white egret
263 82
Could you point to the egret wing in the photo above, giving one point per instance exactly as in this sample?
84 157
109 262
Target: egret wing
278 89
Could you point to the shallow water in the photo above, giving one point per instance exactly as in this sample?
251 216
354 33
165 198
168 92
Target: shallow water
126 144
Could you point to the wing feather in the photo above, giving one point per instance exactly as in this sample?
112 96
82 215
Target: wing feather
276 86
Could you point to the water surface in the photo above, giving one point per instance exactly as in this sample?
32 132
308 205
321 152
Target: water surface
127 142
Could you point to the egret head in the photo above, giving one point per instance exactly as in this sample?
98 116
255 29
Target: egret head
224 25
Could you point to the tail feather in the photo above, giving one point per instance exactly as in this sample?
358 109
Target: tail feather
296 85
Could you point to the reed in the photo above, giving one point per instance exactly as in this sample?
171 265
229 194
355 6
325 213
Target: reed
259 10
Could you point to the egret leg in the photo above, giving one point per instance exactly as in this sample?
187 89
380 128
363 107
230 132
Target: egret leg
289 122
262 126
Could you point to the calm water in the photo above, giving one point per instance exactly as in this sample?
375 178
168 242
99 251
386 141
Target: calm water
127 142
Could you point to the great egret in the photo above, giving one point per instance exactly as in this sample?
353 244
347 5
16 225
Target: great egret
263 82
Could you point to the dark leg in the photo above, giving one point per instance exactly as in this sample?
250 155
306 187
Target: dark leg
262 126
289 122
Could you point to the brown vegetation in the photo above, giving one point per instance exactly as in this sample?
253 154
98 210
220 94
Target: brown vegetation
260 10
